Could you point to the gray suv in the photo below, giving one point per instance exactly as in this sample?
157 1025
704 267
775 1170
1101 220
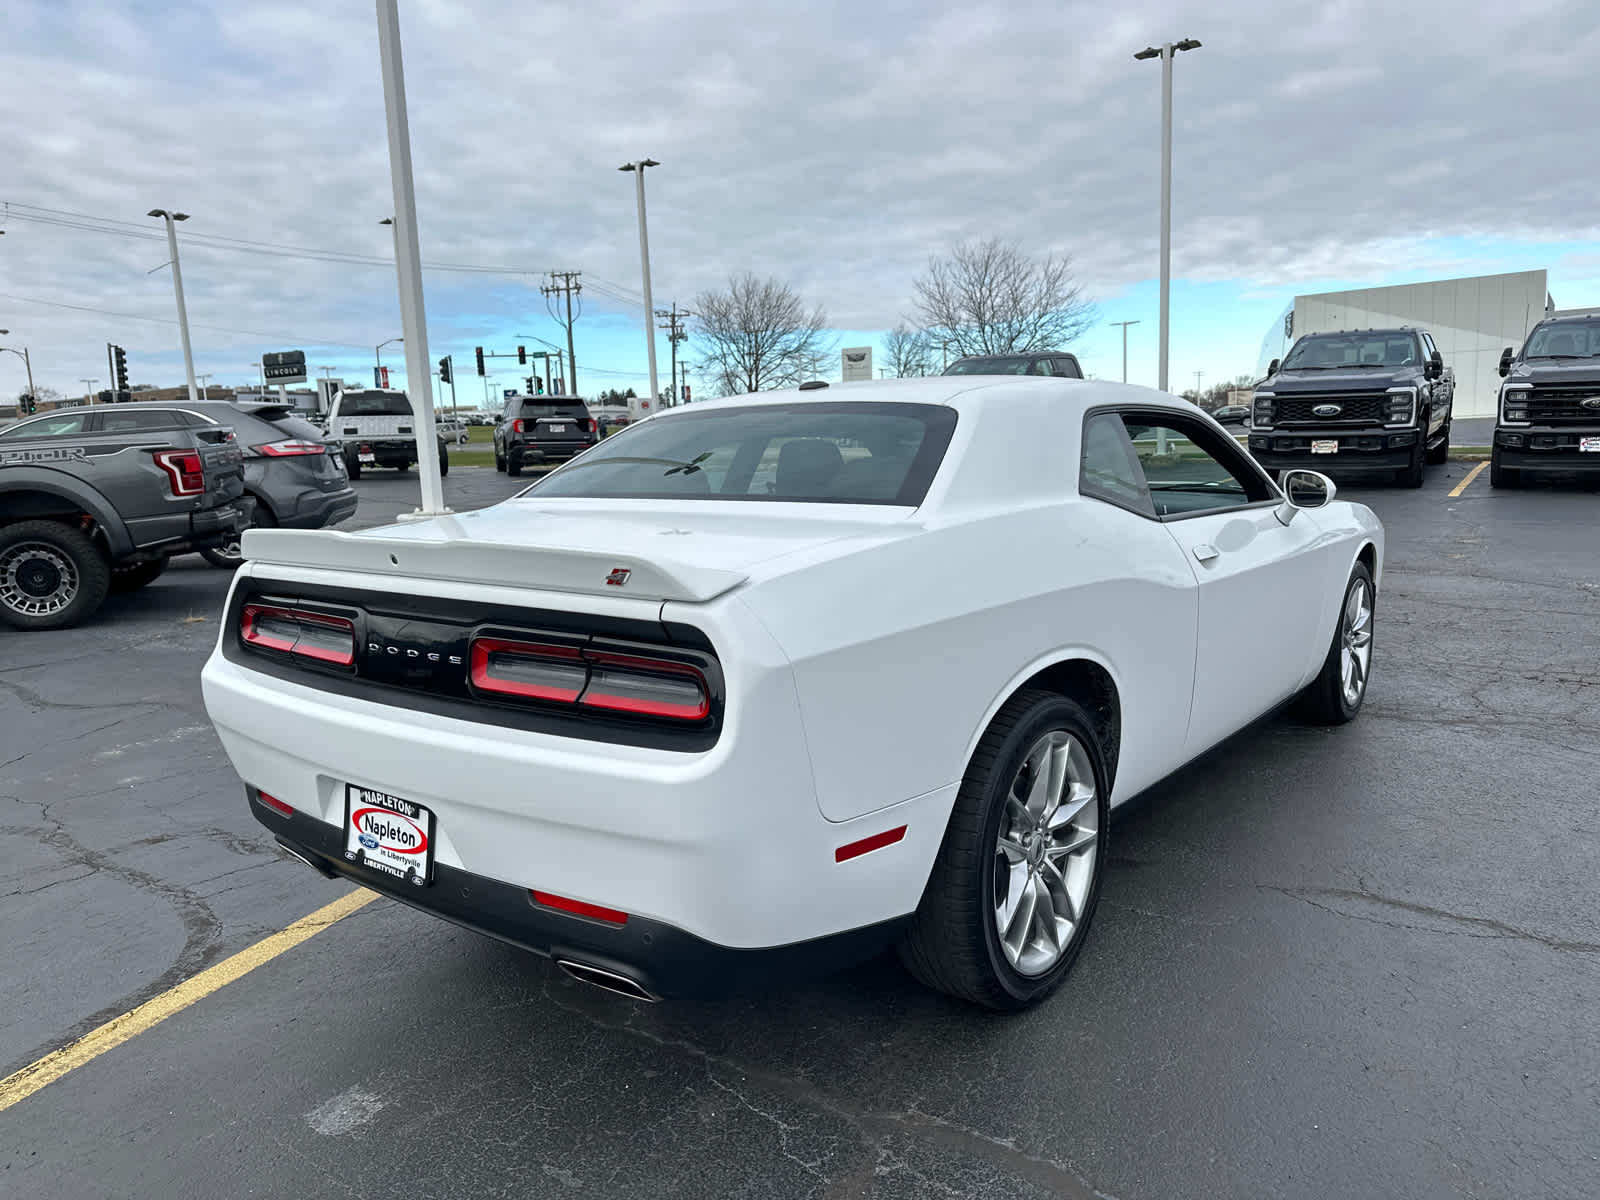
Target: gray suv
288 471
541 428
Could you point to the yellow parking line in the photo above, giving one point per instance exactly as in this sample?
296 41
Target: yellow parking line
1471 475
16 1088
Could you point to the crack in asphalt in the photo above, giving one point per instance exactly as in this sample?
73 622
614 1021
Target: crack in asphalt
1489 927
871 1125
29 696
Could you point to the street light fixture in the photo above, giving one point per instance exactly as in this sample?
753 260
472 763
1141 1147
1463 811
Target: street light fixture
1165 53
22 354
177 287
1125 325
644 260
377 352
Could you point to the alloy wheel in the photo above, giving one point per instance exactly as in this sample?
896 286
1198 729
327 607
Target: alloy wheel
1355 651
36 579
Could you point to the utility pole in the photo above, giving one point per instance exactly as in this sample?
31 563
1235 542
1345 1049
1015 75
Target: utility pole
1124 325
683 382
568 286
1197 376
675 334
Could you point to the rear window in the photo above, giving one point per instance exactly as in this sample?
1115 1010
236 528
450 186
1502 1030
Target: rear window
290 425
374 404
534 409
840 453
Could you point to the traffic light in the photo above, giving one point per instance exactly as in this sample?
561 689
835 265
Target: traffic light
105 396
29 404
444 370
522 355
538 381
120 357
480 360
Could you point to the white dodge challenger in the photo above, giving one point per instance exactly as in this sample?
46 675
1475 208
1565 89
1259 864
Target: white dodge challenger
782 680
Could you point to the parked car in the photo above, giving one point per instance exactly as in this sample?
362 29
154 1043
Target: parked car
542 429
1232 414
783 647
1548 418
373 427
97 499
1367 399
1048 362
288 473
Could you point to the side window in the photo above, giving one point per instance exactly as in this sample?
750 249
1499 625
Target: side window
1188 470
131 421
64 425
1108 469
1066 367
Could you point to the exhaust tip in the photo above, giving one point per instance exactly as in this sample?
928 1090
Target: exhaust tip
310 862
609 981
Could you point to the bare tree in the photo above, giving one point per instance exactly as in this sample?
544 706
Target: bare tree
758 335
990 298
908 351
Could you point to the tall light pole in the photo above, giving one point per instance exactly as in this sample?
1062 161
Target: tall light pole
263 371
1124 325
203 379
88 390
177 287
644 259
1166 53
23 355
377 354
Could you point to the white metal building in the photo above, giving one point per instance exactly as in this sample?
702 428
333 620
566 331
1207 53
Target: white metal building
1471 319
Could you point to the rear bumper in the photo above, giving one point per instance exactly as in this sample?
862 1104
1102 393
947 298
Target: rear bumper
548 451
179 533
665 961
1547 449
318 510
1358 449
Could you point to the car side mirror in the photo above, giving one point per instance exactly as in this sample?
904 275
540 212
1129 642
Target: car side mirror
1505 362
1303 489
1272 367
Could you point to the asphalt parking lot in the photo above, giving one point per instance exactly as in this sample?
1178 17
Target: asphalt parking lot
1348 963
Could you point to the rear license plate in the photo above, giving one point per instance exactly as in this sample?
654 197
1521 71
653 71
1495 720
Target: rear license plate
1589 445
557 428
1329 446
388 834
367 458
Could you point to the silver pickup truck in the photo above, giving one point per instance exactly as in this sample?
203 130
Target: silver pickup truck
87 508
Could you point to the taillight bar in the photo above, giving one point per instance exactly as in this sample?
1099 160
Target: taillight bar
298 632
636 684
183 470
291 447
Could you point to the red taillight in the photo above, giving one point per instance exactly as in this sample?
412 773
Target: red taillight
316 636
586 424
611 916
528 670
646 686
516 426
183 471
291 448
624 683
276 805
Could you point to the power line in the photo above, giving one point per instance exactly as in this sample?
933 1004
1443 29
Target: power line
106 312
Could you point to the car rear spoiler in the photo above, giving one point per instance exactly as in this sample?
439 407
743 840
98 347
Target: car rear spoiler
436 555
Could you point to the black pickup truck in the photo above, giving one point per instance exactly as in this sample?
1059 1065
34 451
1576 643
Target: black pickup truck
1370 399
1549 414
86 508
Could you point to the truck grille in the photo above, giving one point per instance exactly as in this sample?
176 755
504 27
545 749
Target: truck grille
1354 410
1564 405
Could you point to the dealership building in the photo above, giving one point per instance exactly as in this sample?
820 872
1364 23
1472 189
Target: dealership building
1472 321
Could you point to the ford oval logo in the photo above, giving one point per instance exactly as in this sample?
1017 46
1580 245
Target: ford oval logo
1591 402
1327 410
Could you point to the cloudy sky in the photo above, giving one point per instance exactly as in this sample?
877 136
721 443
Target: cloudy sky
835 146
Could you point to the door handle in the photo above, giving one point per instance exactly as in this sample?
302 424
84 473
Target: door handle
1205 552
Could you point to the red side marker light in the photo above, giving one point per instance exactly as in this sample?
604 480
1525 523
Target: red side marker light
276 805
868 844
595 912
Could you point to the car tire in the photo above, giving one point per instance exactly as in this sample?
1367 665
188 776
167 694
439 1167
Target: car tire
228 556
1502 477
84 575
352 468
1411 473
955 943
444 461
1330 698
133 576
499 461
1441 452
513 467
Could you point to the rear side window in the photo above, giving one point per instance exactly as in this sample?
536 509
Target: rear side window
289 425
375 404
134 420
841 453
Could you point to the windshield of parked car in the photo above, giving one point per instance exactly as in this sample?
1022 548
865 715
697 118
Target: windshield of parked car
1564 339
1012 364
832 453
374 404
1332 351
